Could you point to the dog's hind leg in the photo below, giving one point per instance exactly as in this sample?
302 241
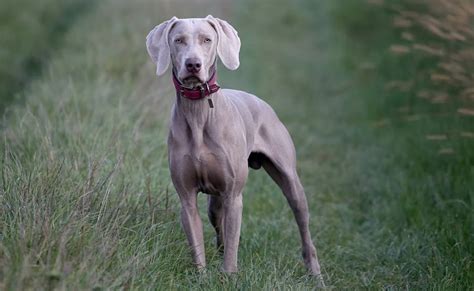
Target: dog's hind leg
215 213
288 180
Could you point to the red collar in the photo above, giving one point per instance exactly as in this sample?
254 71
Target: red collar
198 92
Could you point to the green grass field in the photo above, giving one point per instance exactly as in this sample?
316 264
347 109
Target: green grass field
30 32
86 198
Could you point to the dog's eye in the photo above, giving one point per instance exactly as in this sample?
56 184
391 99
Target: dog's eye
207 40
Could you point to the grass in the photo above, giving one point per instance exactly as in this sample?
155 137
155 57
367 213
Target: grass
30 32
431 208
85 191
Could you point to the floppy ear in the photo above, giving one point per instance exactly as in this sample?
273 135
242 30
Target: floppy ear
228 45
158 47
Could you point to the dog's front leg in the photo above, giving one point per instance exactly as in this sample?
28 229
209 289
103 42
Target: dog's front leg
232 222
192 225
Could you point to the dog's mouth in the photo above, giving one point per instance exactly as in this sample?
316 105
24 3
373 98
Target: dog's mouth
191 82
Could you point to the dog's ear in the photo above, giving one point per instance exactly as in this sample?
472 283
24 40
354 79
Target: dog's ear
158 47
228 45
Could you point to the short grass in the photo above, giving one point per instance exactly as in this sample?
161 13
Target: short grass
85 191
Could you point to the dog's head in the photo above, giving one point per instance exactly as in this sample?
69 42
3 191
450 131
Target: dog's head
192 46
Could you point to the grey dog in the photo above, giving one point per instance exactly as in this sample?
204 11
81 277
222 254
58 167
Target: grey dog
212 144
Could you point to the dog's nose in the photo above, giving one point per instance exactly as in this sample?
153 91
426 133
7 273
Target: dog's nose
193 65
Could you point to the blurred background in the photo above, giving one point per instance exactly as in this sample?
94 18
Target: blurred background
378 96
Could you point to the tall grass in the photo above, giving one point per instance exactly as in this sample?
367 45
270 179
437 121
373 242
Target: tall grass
441 32
85 191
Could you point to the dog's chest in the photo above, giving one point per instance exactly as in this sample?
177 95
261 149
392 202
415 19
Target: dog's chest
211 171
205 158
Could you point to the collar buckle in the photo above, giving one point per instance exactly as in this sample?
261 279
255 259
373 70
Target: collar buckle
202 90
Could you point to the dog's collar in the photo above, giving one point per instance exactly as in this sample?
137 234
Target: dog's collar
198 92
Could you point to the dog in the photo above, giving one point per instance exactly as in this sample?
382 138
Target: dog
217 134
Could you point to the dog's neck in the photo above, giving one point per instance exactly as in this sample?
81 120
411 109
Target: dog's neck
196 109
197 117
